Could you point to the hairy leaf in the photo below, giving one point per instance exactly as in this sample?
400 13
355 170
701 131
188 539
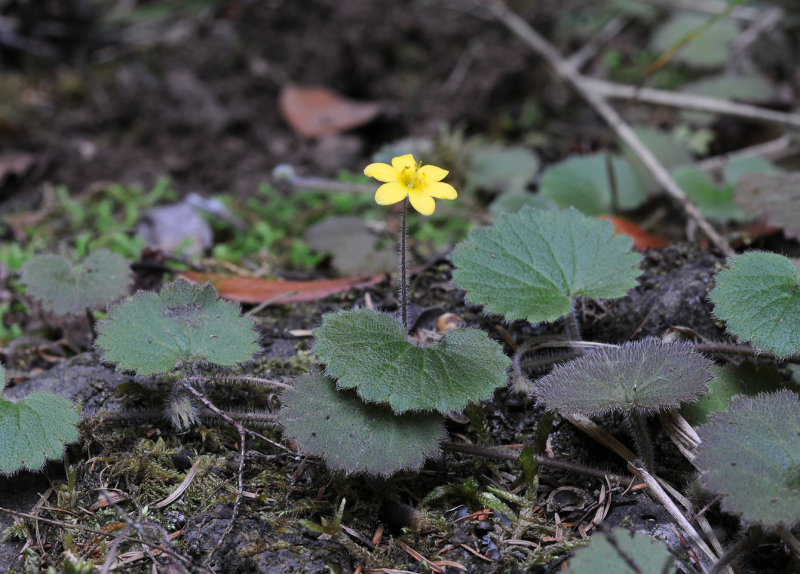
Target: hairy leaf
583 182
34 429
602 557
645 375
370 352
751 455
531 264
64 289
153 332
752 88
727 382
353 436
759 299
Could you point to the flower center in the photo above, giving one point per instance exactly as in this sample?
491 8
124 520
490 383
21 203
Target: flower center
412 178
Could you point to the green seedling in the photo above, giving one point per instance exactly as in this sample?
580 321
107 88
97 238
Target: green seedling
638 378
153 333
405 387
622 552
533 264
584 182
66 289
34 429
758 296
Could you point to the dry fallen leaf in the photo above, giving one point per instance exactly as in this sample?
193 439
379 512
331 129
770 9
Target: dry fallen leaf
317 112
256 290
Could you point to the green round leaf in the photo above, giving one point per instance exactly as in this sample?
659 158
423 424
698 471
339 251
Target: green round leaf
531 264
601 557
153 332
353 436
706 48
758 296
751 455
715 202
64 289
582 182
34 429
645 375
370 352
501 169
736 167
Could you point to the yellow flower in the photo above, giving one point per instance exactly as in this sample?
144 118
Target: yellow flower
406 178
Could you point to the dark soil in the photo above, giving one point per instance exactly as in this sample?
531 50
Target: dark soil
195 97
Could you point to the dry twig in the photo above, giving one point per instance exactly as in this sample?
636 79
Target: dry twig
541 46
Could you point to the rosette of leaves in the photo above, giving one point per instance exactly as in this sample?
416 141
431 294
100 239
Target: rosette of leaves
379 406
638 378
532 264
370 352
34 429
614 553
66 289
751 455
353 436
758 297
153 333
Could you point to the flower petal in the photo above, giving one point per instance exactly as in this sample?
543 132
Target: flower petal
402 162
422 202
382 172
440 190
432 173
391 192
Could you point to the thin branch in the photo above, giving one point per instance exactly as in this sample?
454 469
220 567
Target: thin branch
768 19
745 350
713 7
655 490
538 43
505 454
589 49
155 545
688 101
789 539
242 430
777 149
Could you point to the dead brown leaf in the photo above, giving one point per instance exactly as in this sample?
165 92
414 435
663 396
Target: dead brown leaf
317 112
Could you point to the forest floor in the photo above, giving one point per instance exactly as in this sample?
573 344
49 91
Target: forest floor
105 112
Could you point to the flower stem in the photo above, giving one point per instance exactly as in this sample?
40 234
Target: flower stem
403 277
638 427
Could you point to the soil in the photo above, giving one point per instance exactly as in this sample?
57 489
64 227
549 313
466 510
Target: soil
194 96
